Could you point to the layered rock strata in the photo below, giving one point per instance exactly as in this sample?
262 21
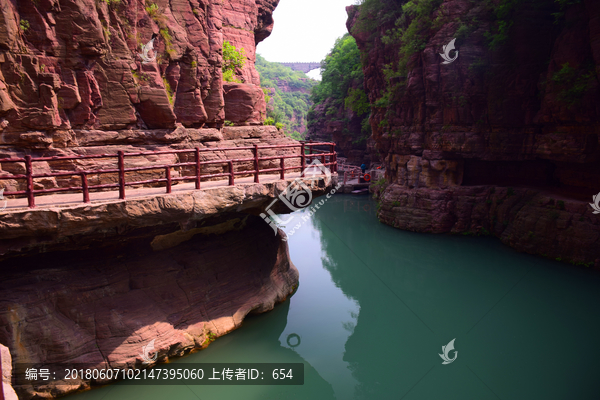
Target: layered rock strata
75 64
506 138
96 142
93 283
98 308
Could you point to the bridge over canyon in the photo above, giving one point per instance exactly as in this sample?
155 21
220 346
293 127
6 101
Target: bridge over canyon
302 66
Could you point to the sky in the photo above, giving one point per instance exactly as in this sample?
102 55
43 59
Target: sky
305 30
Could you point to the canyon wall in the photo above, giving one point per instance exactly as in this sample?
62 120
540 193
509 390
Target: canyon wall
75 64
341 110
97 308
505 139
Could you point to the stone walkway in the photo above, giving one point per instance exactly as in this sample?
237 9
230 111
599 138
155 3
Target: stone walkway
67 199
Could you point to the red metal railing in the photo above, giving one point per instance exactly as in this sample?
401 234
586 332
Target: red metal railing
350 171
326 158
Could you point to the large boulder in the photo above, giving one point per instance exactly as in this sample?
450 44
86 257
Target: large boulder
244 103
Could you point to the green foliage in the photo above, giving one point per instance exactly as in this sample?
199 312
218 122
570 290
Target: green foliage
112 2
169 91
357 101
340 69
232 59
152 10
228 123
341 87
573 83
503 13
278 125
210 337
24 25
380 185
562 4
289 108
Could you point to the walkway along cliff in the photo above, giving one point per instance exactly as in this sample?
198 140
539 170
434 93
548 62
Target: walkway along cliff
503 141
134 251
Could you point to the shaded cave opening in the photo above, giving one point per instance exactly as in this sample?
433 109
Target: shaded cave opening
562 179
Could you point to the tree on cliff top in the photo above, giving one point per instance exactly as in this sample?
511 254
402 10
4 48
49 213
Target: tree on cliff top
341 87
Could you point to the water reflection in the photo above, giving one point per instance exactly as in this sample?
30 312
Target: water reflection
375 305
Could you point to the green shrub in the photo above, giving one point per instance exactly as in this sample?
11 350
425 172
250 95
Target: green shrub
24 25
573 84
152 10
232 59
169 91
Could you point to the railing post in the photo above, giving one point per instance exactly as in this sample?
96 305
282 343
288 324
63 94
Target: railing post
310 150
333 159
256 163
323 162
197 168
84 186
302 152
168 172
121 175
231 174
29 173
282 166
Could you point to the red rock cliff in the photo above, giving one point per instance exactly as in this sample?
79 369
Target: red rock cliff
503 141
74 64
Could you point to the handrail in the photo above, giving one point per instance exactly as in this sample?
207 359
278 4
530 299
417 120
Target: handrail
326 158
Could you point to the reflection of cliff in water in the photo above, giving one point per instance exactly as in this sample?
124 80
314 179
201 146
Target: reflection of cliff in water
374 349
102 305
260 340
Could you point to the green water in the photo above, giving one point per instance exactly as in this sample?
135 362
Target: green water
375 305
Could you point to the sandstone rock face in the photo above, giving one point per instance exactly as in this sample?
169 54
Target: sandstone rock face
522 117
94 141
93 283
82 226
76 64
100 307
344 129
9 392
244 103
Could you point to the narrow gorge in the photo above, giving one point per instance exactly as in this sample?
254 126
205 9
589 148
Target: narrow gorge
503 141
92 283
